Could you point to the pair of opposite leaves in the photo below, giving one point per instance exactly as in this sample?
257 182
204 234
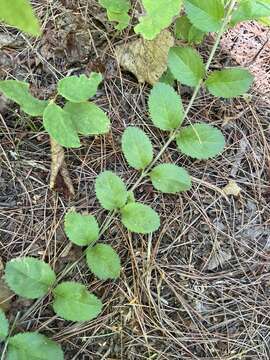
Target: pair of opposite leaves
79 116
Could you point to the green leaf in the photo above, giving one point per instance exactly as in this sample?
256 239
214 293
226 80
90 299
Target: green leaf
79 88
20 14
103 261
60 126
33 346
140 218
167 78
117 10
72 301
18 91
170 178
265 21
111 191
251 10
184 30
186 65
29 277
200 141
81 230
88 118
182 27
195 36
3 326
165 107
137 148
206 15
159 16
131 197
229 83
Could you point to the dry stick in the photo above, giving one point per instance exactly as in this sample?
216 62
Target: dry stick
110 216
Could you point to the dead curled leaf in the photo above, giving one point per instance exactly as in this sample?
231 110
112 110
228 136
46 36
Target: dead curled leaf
147 60
219 258
232 188
59 167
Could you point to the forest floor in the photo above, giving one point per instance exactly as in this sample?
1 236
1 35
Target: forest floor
197 289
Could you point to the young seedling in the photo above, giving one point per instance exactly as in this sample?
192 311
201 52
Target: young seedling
79 116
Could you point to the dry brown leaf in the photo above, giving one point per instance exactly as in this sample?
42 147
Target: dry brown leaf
219 258
59 167
147 60
232 189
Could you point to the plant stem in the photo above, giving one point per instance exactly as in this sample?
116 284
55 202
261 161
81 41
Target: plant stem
232 4
109 218
111 214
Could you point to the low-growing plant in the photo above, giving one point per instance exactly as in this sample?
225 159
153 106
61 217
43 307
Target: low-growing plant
203 16
28 345
19 13
33 278
78 116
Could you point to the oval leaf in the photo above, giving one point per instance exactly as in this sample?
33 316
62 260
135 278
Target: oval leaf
200 141
184 30
117 10
140 218
170 178
19 13
251 10
186 65
137 148
159 16
229 83
60 127
165 107
88 118
111 191
72 301
29 277
3 326
81 230
33 346
18 91
206 15
79 88
103 261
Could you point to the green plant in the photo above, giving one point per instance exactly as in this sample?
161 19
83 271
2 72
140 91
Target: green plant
28 345
78 116
202 16
19 13
252 10
117 10
159 15
185 30
32 278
